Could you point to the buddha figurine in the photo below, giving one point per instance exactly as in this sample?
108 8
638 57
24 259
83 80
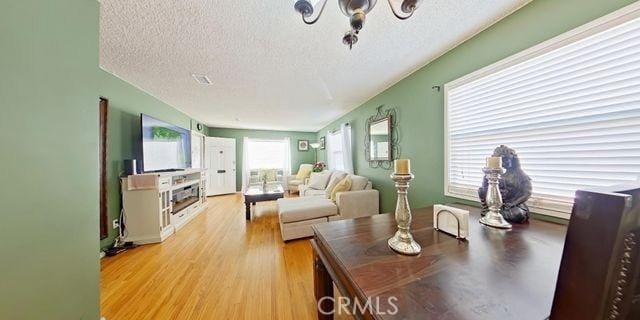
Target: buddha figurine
515 187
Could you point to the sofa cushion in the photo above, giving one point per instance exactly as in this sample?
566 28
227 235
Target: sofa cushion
295 182
342 186
307 208
336 177
267 174
308 192
319 180
302 188
358 182
299 229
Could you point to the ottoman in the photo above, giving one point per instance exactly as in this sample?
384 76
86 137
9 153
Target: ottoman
297 215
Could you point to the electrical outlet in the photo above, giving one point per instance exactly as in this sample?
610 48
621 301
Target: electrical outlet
116 223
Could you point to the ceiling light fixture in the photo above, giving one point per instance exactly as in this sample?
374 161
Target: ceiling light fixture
356 10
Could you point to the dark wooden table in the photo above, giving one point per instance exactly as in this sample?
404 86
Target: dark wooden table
257 193
496 274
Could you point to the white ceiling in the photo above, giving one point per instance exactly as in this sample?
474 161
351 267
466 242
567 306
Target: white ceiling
270 70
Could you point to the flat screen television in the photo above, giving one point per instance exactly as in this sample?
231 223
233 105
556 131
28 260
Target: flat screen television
165 147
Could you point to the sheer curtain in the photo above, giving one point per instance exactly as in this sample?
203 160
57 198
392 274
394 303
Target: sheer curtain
334 150
331 164
347 153
246 168
339 153
286 170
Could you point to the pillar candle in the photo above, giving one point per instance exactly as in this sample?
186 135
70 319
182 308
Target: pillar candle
403 166
494 162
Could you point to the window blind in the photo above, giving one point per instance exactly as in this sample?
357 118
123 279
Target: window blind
569 107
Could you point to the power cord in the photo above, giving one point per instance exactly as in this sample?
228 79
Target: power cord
119 244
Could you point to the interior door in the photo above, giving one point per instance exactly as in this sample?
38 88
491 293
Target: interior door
221 163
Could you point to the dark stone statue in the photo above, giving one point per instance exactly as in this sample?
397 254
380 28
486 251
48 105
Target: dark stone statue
515 187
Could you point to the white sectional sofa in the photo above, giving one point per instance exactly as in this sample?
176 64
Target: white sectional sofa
297 215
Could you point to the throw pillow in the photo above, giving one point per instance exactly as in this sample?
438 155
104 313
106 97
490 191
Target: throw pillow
342 186
358 182
260 176
336 177
319 180
304 172
272 175
268 174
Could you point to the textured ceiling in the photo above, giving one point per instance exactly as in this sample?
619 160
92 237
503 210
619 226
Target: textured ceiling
268 69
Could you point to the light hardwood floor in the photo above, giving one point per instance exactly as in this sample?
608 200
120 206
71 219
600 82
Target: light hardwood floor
218 267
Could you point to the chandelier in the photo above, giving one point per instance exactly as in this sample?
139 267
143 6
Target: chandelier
356 10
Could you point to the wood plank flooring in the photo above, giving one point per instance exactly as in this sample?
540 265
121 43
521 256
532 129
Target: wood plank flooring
218 267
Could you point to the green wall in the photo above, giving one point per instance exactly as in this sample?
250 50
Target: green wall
297 157
48 134
123 132
420 109
51 81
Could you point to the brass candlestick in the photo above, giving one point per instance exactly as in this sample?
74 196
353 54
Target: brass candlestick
402 242
494 218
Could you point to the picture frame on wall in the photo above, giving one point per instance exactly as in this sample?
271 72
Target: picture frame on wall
322 143
303 145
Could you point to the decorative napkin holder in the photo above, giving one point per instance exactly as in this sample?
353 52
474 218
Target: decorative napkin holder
451 220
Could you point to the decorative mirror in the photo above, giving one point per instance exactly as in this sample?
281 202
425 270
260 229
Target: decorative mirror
381 139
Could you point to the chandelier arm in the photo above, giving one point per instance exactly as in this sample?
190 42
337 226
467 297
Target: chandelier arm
318 17
400 16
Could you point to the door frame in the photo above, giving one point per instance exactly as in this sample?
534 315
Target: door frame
103 112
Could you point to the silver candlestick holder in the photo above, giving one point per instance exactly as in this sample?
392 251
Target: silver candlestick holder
493 217
402 242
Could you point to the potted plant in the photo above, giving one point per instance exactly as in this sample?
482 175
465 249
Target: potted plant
319 167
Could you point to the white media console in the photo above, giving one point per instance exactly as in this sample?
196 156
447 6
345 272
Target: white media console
156 205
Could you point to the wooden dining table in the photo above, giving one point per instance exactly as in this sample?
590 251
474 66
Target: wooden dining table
494 274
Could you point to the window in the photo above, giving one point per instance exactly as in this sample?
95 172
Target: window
267 154
336 158
570 107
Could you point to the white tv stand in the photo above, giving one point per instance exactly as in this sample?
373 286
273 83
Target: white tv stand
155 211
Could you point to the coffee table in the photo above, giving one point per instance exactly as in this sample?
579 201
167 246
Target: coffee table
257 193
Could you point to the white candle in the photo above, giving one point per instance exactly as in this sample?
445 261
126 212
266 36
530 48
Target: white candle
403 166
494 162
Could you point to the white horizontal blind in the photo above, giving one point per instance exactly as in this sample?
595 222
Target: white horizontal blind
570 109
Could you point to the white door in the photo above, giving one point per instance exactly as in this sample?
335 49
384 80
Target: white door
221 165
